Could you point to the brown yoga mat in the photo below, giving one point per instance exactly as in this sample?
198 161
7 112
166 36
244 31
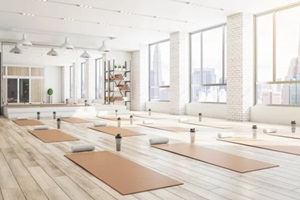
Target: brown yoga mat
114 118
166 128
52 135
217 158
123 175
27 122
286 135
115 130
263 144
209 124
74 120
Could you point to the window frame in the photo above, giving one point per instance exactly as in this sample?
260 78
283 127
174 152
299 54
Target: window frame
224 83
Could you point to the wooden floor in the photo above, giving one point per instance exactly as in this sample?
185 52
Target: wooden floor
31 169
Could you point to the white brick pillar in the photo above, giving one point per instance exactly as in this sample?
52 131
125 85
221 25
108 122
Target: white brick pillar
240 66
139 78
179 72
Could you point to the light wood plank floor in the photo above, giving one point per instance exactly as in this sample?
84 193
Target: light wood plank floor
31 169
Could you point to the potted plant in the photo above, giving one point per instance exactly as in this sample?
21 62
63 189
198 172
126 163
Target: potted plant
124 67
50 93
119 67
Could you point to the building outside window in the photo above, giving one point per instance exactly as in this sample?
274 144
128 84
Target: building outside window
208 65
278 57
159 74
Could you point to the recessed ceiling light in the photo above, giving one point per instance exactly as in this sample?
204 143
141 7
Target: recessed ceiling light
84 6
102 23
43 0
125 12
67 19
28 14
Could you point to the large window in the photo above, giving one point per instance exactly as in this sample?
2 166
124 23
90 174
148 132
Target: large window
83 81
98 78
160 71
208 66
278 57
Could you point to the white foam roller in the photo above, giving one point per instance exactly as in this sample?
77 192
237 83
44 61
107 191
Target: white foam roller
269 130
20 118
100 123
160 140
148 122
82 147
183 120
40 128
225 135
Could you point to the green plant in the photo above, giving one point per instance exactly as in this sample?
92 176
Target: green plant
50 91
120 67
124 67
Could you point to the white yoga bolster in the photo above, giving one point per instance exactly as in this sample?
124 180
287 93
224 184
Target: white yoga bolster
270 130
100 124
148 122
20 118
160 140
183 120
82 147
40 128
225 135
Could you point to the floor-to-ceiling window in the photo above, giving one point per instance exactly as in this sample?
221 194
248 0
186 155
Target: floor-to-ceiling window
278 57
160 71
208 65
98 78
83 89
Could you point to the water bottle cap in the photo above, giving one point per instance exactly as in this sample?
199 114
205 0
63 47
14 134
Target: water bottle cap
38 112
293 122
149 109
192 130
118 136
58 119
118 118
254 127
54 112
200 113
131 116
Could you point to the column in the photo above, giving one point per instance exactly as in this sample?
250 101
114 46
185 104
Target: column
240 68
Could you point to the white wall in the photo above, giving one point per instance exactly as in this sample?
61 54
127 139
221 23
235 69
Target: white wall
53 79
207 109
159 106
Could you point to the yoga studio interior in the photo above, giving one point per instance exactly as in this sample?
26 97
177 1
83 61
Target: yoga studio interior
150 100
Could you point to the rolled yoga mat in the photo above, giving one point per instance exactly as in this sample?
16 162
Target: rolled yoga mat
82 147
270 130
40 128
99 124
20 118
183 120
148 122
225 135
160 140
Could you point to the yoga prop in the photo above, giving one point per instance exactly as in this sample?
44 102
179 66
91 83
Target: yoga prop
166 128
183 120
21 118
217 158
148 122
82 147
159 140
293 126
269 130
52 135
27 122
58 123
111 130
225 135
40 128
74 120
192 135
263 144
286 135
148 116
121 174
99 124
210 124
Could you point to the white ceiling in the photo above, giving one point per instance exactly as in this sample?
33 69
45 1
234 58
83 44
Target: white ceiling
130 22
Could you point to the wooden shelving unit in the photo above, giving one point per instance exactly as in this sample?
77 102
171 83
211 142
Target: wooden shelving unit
117 83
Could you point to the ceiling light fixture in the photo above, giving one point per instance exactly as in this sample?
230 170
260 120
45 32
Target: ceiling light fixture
125 12
52 52
24 41
104 48
15 50
28 14
67 19
85 55
67 45
43 0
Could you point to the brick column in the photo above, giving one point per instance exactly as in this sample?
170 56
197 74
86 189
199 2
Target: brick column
139 78
240 66
179 72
